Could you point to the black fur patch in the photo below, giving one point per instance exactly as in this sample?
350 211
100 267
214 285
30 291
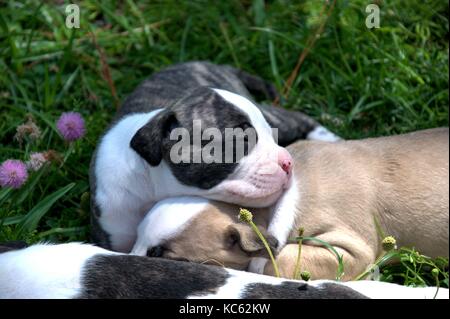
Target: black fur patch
98 235
203 104
141 277
133 277
291 125
169 85
162 89
12 245
294 290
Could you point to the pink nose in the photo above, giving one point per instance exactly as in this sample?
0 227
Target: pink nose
285 161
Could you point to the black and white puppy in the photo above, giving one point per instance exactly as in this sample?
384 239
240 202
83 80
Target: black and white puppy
133 167
77 270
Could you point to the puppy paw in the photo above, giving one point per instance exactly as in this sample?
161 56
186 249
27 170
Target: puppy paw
257 265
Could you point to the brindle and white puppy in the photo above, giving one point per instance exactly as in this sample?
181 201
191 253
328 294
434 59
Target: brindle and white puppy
132 168
77 270
339 192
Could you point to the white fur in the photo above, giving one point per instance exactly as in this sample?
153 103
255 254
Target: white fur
166 220
127 187
383 290
55 271
245 105
45 271
236 284
284 212
320 133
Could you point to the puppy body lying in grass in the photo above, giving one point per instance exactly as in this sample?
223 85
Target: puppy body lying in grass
137 163
339 193
77 270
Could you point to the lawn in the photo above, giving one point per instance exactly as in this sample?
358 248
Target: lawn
357 81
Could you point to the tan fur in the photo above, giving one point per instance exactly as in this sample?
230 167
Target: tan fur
208 241
400 181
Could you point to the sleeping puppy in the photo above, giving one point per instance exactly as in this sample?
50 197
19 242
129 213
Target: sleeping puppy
339 192
137 162
77 270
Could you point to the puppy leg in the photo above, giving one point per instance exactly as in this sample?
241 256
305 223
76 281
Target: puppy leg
98 234
294 125
256 85
291 125
323 264
117 234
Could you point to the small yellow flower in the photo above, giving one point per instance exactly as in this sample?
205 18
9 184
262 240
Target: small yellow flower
305 275
435 272
245 215
389 243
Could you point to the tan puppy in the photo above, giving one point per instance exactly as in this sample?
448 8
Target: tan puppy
338 192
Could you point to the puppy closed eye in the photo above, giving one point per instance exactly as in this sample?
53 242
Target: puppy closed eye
245 126
231 240
156 251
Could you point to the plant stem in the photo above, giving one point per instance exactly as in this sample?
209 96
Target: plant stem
340 270
375 264
437 285
275 267
297 263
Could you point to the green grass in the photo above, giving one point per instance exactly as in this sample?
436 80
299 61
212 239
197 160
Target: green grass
403 265
358 82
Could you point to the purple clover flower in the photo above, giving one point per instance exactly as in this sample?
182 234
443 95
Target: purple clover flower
13 173
71 126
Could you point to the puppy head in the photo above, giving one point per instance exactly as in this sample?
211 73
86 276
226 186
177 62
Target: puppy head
201 231
220 143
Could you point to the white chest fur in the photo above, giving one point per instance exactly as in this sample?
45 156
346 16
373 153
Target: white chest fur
284 212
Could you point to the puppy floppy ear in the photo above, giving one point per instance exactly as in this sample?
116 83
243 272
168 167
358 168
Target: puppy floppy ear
249 241
148 140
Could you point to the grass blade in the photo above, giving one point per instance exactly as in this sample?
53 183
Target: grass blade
31 220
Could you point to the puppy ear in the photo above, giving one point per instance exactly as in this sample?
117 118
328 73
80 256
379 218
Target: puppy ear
249 241
148 140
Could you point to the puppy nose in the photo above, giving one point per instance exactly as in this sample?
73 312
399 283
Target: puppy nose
285 161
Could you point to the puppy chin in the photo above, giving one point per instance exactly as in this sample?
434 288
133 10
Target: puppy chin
246 194
265 201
